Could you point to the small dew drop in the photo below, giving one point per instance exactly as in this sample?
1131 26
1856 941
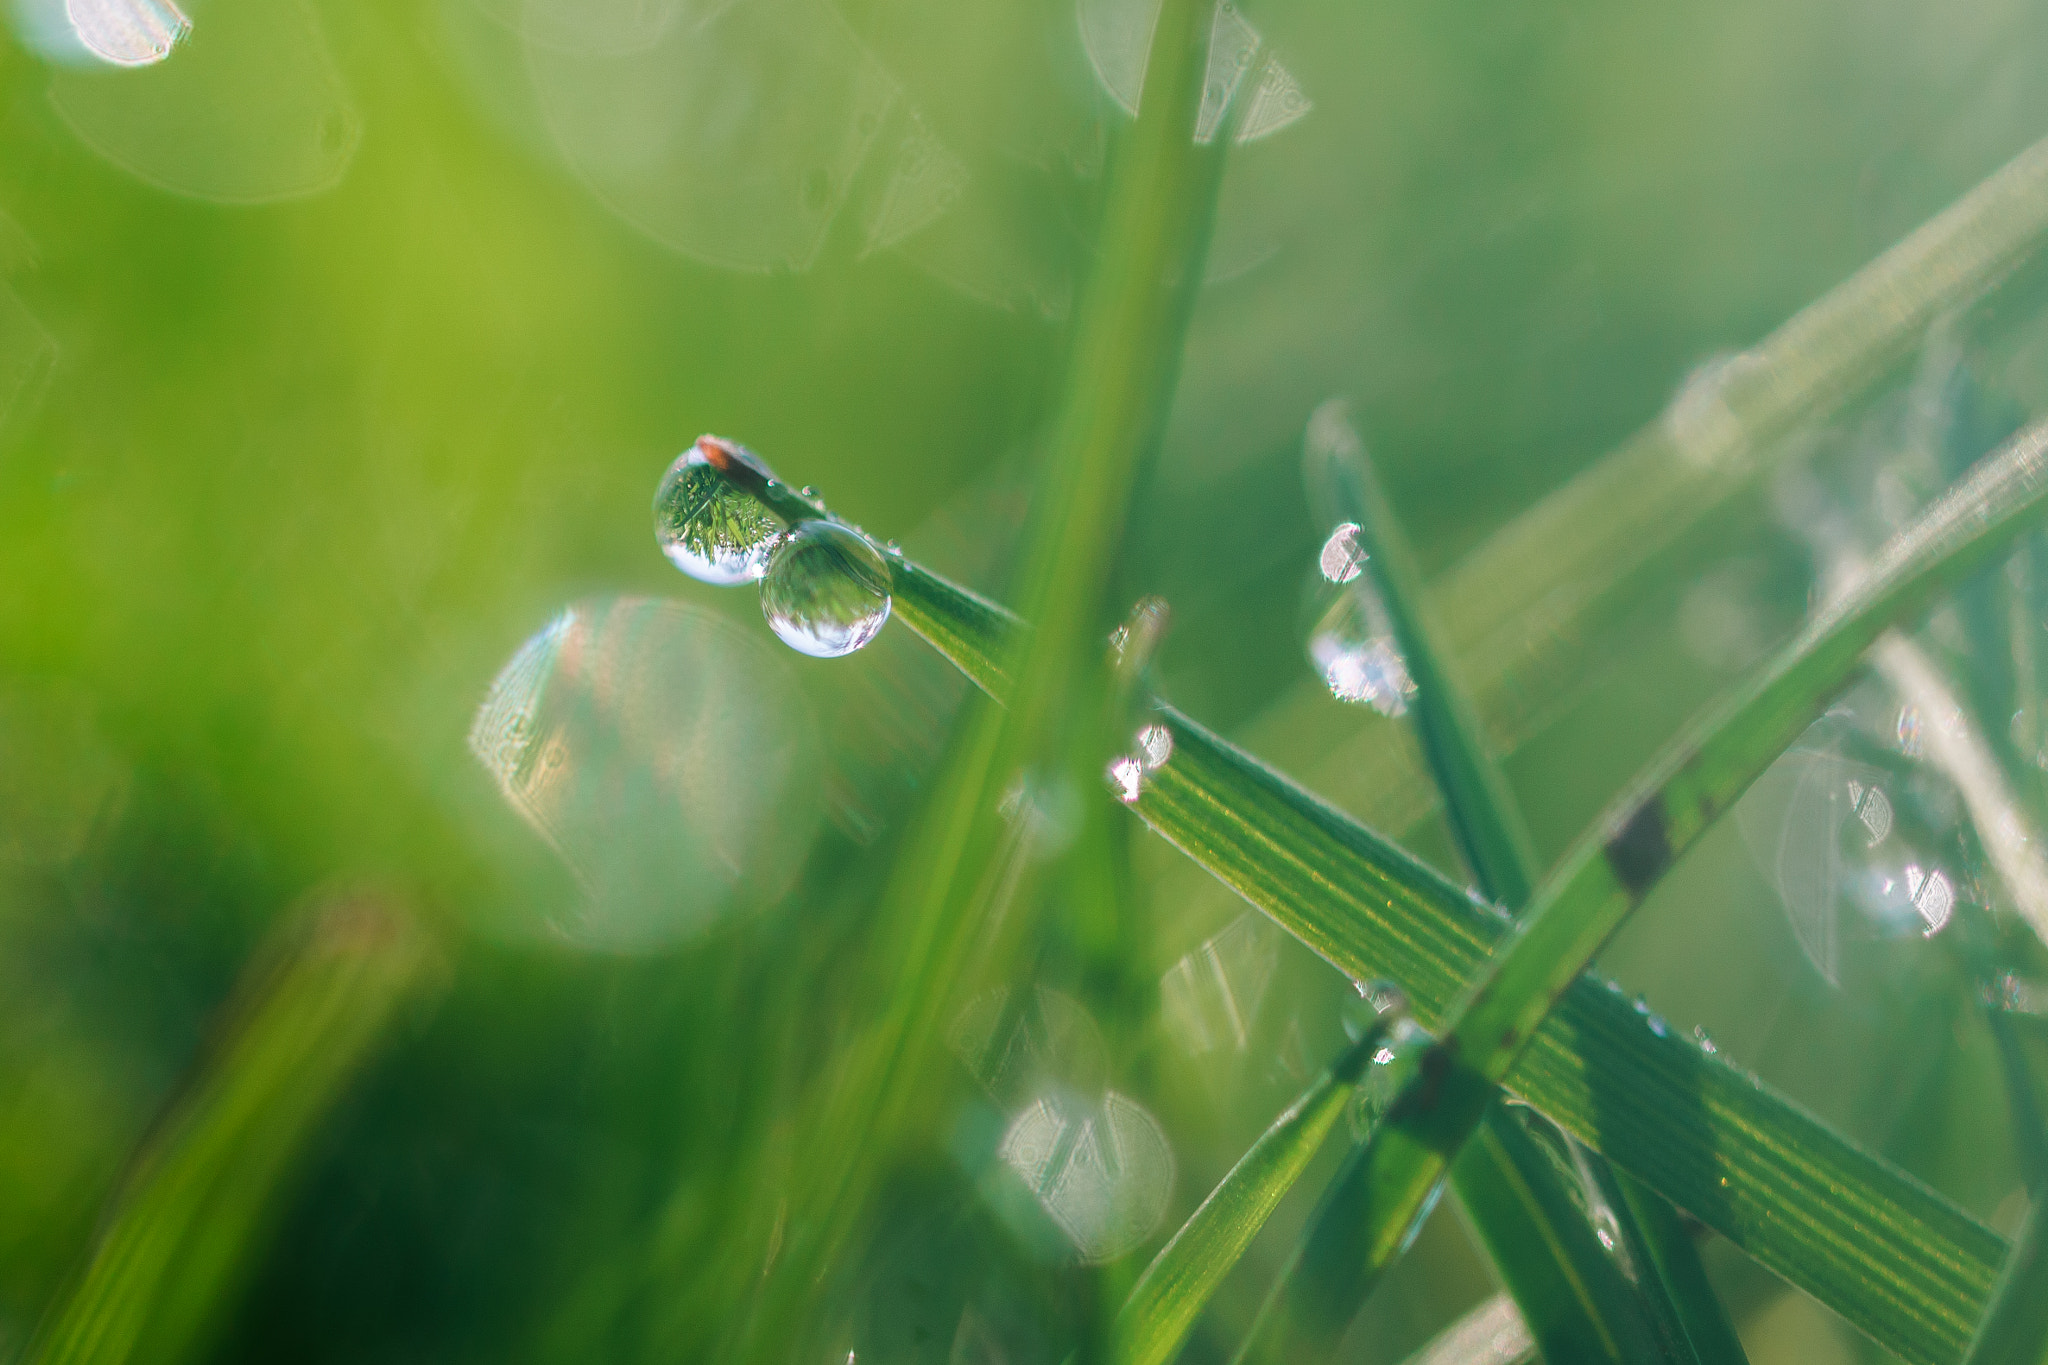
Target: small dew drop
1155 747
826 590
128 32
710 529
1342 558
1372 672
1127 778
1699 1036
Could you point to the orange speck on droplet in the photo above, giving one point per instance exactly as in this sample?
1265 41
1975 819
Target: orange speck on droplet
716 452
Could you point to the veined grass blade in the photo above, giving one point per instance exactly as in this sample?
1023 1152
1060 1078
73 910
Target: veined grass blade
1402 1164
1858 1234
1576 1299
192 1211
1400 1167
1878 1247
1175 1287
1572 1289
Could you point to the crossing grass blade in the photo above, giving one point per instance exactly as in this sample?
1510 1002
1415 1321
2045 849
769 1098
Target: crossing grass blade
1398 1170
1175 1287
1878 1247
189 1219
1573 1291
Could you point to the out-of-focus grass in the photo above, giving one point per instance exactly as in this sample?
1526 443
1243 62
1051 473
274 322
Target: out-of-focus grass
283 485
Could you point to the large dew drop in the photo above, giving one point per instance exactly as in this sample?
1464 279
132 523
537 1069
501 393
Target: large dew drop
827 590
710 528
127 32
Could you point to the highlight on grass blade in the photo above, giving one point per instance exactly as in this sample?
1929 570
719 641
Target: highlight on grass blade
189 1219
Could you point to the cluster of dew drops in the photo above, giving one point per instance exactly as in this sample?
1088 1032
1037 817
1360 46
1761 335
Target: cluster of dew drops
825 588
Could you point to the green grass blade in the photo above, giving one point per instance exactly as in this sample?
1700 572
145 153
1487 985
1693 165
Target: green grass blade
946 915
1863 1237
1872 1243
1571 1289
190 1216
1575 1297
1401 1166
1480 806
2015 1328
1168 1297
1675 1260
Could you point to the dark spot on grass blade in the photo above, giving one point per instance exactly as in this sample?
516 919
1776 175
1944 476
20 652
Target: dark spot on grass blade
1641 849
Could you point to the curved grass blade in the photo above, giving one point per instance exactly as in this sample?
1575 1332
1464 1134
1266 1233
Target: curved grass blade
1572 1288
1175 1287
191 1214
1401 1166
1576 1298
1869 1241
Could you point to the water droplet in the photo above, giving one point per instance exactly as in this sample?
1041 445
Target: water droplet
1932 895
1370 671
1873 809
1699 1035
128 32
708 527
2004 992
1155 747
1127 777
826 592
1342 558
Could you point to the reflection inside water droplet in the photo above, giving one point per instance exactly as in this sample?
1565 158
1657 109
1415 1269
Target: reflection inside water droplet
826 591
127 32
709 528
1155 746
1370 671
1127 778
1101 1172
1342 558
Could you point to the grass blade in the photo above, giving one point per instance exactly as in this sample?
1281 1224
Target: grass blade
1891 1256
1575 1298
945 916
1477 800
1573 1292
1607 874
1168 1297
191 1213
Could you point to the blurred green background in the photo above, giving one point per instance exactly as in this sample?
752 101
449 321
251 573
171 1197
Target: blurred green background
340 354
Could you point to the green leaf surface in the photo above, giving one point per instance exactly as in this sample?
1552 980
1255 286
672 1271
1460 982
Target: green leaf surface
1574 1293
1866 1239
189 1219
1168 1297
1863 1237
